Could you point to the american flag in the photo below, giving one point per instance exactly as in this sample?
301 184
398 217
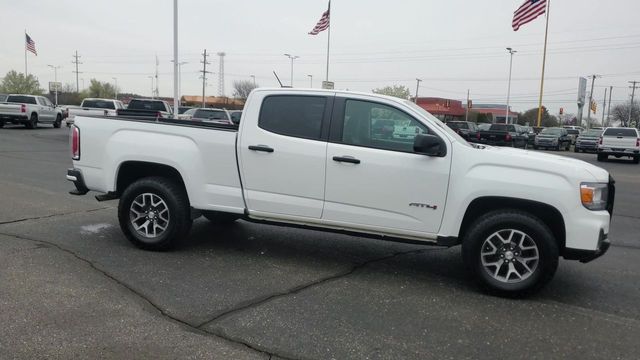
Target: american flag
31 45
323 23
528 12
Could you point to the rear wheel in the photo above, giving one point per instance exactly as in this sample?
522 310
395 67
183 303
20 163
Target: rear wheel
154 213
602 157
510 252
58 122
33 122
636 159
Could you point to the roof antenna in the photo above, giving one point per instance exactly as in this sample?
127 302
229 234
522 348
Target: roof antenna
280 82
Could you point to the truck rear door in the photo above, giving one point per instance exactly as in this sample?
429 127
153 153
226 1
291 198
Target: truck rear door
282 149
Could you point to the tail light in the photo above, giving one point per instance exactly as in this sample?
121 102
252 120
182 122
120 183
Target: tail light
478 135
600 141
508 137
75 143
158 115
638 142
23 108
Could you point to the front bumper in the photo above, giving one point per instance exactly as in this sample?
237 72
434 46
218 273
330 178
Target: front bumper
587 145
585 256
75 175
616 151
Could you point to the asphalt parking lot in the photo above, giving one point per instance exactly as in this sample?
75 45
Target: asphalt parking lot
71 285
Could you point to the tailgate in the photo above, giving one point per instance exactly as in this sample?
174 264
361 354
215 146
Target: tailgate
619 142
10 109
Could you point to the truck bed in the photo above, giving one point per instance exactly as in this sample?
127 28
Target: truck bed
204 154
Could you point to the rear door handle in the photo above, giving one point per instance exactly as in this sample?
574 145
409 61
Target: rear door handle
346 159
263 148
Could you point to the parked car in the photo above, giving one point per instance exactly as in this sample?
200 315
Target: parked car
531 135
94 107
573 135
209 115
3 97
502 135
588 141
153 108
619 142
235 115
29 110
553 138
484 126
466 129
309 158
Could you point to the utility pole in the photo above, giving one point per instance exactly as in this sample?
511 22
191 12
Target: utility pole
176 63
604 104
418 81
292 57
633 92
204 74
254 79
466 115
157 91
115 88
593 80
76 56
511 52
609 111
310 81
152 91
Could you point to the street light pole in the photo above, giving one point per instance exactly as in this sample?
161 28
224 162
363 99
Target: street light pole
55 79
417 88
310 81
116 87
511 52
176 64
254 79
292 57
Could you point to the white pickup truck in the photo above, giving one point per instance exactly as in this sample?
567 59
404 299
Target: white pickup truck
29 110
619 142
309 158
94 107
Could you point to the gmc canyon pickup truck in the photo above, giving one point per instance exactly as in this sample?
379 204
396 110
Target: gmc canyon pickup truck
309 158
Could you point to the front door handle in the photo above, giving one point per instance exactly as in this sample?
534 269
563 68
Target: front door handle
263 148
346 159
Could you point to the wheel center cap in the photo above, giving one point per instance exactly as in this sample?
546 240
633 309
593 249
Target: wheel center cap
152 214
508 255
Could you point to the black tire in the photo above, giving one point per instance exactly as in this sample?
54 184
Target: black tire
178 220
558 148
1 124
503 222
33 122
602 157
575 149
220 218
535 147
636 159
58 122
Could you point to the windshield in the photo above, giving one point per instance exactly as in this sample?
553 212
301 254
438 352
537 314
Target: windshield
458 125
592 133
21 99
211 114
147 105
573 132
98 104
551 131
437 122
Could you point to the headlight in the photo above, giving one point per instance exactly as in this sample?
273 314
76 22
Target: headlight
594 195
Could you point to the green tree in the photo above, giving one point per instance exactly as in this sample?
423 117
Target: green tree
398 91
17 83
101 89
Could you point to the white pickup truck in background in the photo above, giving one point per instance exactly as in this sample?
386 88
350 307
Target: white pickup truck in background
310 158
29 110
94 107
619 142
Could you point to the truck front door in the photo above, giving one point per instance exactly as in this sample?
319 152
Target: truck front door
282 157
378 183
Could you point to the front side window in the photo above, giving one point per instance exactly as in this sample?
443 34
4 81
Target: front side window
379 126
297 116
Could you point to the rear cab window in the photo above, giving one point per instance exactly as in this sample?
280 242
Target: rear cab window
21 99
293 115
99 104
147 105
625 132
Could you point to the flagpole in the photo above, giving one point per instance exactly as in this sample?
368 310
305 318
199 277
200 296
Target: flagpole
25 53
328 41
544 61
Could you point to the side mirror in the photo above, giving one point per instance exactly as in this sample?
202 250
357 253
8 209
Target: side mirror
429 145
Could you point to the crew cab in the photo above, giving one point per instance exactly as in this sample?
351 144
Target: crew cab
619 142
94 107
503 135
29 110
310 158
147 108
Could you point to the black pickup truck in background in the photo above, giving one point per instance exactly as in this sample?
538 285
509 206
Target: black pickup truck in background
466 129
147 108
503 135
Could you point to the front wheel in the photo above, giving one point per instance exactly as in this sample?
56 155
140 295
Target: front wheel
58 122
510 252
154 213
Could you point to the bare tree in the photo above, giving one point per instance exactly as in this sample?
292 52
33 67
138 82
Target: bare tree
620 114
242 88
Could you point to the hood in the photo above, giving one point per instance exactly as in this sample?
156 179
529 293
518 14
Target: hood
571 168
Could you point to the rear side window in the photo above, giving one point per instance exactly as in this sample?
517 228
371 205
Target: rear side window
22 99
297 116
621 132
